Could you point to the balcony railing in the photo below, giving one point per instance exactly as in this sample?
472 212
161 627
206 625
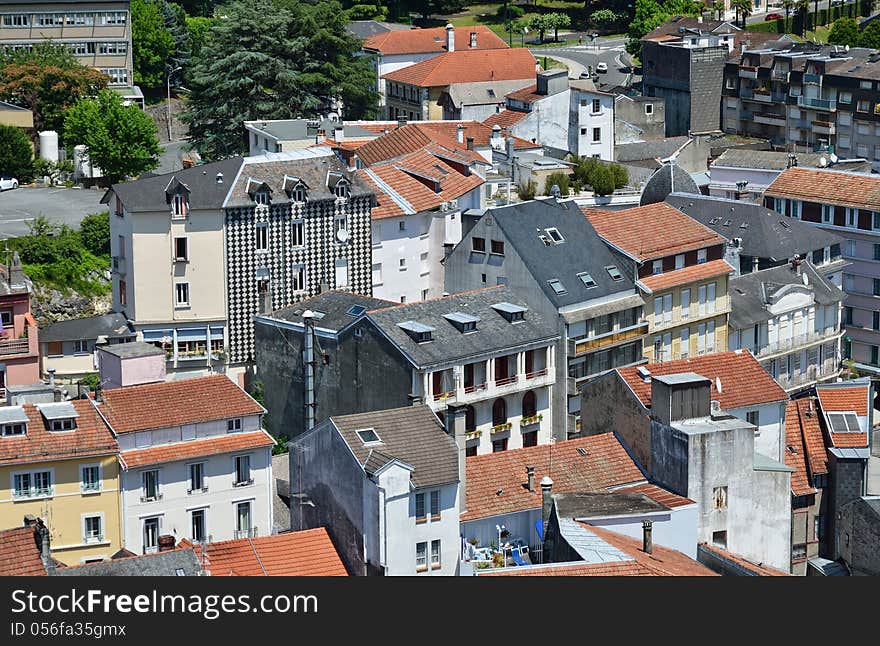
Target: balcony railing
197 490
577 346
441 396
793 342
536 373
780 75
770 119
828 105
505 380
812 79
763 96
531 420
475 388
246 533
500 428
26 344
243 483
748 72
824 127
152 498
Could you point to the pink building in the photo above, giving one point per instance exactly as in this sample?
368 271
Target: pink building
19 346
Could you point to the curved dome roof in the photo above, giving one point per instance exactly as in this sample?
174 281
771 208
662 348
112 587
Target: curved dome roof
669 178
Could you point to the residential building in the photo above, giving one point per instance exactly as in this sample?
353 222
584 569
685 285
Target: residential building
364 29
130 364
98 34
638 118
788 317
13 115
691 154
549 253
759 238
239 237
416 92
173 561
849 205
387 487
696 449
394 50
859 524
19 338
510 489
680 272
285 135
68 347
485 352
21 550
198 467
478 101
58 461
739 385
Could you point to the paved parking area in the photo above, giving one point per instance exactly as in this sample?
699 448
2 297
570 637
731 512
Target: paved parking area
60 205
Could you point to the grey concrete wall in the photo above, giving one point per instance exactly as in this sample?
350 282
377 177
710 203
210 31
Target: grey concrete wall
859 538
706 79
652 126
670 459
666 74
846 481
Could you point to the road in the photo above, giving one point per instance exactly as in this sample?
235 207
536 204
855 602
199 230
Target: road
609 51
170 159
60 205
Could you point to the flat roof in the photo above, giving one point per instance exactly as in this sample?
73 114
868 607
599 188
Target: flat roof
680 378
130 350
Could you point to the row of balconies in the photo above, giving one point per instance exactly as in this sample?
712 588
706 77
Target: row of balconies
785 345
578 347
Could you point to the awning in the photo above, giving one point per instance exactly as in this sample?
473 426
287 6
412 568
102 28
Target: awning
192 334
156 335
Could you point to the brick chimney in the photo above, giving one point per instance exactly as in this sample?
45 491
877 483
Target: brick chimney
470 143
546 501
166 543
530 478
473 40
647 536
450 38
456 420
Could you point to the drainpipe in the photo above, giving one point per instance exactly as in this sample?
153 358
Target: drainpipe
309 367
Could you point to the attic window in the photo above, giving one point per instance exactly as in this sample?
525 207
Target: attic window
341 190
587 280
513 313
59 416
557 285
614 272
727 223
356 310
844 423
299 194
12 430
179 205
261 197
63 424
714 220
554 234
744 225
582 451
419 332
368 436
464 323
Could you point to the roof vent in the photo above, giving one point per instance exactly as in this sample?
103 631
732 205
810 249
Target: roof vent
644 374
715 407
582 450
219 178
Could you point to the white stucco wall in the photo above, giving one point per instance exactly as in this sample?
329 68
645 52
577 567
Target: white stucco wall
676 529
583 120
770 436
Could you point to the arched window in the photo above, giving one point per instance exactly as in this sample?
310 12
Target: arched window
341 188
529 404
470 419
499 412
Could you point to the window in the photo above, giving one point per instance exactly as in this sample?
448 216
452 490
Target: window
420 508
243 526
649 108
554 234
421 557
827 214
181 294
401 225
478 244
92 530
597 106
752 418
50 19
685 343
242 471
875 320
341 189
587 280
150 483
123 296
298 278
583 132
847 315
702 302
262 237
91 478
583 103
557 286
16 20
180 250
151 534
657 267
233 425
32 484
111 49
614 272
6 318
597 134
341 267
261 197
863 106
435 505
851 248
876 253
498 247
435 554
197 523
63 424
179 206
10 430
499 445
197 478
113 18
710 297
851 217
701 256
685 303
719 497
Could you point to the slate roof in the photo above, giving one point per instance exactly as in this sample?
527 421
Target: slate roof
743 381
494 333
665 180
156 564
581 251
213 445
91 438
172 403
859 190
485 93
604 465
305 553
334 305
366 28
113 326
777 160
649 150
468 66
582 505
671 27
411 434
749 292
658 494
20 553
422 41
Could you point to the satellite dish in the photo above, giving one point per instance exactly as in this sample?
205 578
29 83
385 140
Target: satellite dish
834 158
822 162
342 235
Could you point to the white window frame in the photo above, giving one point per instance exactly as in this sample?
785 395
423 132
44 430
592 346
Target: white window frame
710 298
657 267
422 556
33 492
144 497
248 531
261 237
204 512
685 303
431 498
177 292
233 425
81 346
827 214
710 336
5 429
685 342
144 521
298 278
702 256
436 554
236 482
185 256
63 425
298 233
179 205
101 537
190 490
82 480
679 261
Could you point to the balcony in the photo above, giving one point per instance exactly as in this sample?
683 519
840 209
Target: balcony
824 127
762 96
577 347
812 374
770 119
748 72
826 105
506 380
780 75
530 421
439 397
25 345
475 388
795 342
246 533
153 498
500 428
535 374
243 483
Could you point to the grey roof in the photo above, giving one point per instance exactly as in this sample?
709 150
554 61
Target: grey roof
8 107
648 150
592 505
828 568
766 233
411 434
679 378
281 499
582 250
334 305
589 546
773 160
749 293
58 410
850 454
113 326
13 415
133 349
494 333
363 29
157 564
485 92
763 463
306 130
667 179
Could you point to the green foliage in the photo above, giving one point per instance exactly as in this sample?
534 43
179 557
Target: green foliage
15 153
56 172
198 29
619 175
870 36
92 380
557 21
152 43
367 12
119 139
844 31
743 9
174 18
278 59
650 14
603 177
527 190
603 17
559 179
539 23
602 180
514 12
94 230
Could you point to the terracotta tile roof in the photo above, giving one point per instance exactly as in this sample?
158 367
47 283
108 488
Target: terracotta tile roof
814 441
39 444
828 187
652 231
606 464
505 119
658 494
849 440
757 569
579 568
743 381
526 94
420 41
306 553
196 448
663 561
172 403
385 206
687 275
844 399
412 138
474 66
481 133
19 554
796 452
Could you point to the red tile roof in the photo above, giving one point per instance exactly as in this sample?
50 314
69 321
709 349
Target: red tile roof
827 187
849 440
757 569
420 41
473 66
652 231
481 133
505 119
612 568
663 561
172 403
91 438
306 553
796 452
686 275
412 138
196 448
658 494
19 554
606 464
743 381
526 94
837 399
814 441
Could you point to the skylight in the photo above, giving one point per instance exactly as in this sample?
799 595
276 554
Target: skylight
554 234
614 272
844 423
557 285
587 279
356 310
368 436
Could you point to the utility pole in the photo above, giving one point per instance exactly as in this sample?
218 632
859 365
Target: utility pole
168 83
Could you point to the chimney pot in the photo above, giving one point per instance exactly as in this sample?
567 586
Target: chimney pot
450 38
166 543
546 500
459 133
647 536
470 143
530 475
473 40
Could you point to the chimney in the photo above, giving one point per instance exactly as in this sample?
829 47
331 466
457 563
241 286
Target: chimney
796 264
459 133
546 501
473 40
339 134
41 537
470 143
510 147
51 372
401 121
456 421
755 263
647 538
530 476
166 543
219 178
450 38
742 47
809 407
29 520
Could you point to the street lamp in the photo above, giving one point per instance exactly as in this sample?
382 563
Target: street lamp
168 78
499 529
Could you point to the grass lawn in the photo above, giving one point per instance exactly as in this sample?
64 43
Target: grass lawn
820 35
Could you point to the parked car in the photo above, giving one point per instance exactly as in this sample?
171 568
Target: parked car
836 3
8 183
602 67
773 16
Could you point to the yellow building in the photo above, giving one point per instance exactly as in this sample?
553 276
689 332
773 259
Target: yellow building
59 462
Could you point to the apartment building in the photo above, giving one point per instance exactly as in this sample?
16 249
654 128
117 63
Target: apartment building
68 347
198 466
98 33
789 318
679 270
849 205
58 462
546 251
19 337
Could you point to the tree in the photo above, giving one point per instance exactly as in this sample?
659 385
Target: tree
120 139
94 230
619 174
527 190
802 7
556 20
718 7
152 43
788 5
844 31
198 29
602 180
539 23
174 18
367 12
54 171
556 179
15 154
278 59
743 9
604 17
870 36
47 80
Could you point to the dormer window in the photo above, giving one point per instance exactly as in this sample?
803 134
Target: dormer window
614 272
59 416
233 425
341 190
261 197
14 430
418 332
513 313
299 194
179 205
63 424
464 323
296 189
